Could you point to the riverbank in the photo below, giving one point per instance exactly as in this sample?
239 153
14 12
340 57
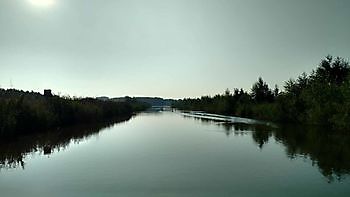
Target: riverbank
29 112
320 98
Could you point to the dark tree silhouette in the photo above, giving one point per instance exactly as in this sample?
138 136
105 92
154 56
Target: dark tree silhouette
333 70
261 92
25 112
321 98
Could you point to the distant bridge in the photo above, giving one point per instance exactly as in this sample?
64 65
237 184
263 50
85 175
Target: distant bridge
161 108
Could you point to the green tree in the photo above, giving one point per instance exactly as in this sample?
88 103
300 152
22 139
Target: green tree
261 92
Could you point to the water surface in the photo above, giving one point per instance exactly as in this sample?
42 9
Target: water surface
172 154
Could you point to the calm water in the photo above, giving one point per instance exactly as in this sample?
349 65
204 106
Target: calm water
169 154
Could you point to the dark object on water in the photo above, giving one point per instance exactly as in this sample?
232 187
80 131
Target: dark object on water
47 150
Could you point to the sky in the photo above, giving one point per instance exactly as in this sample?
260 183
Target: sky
166 48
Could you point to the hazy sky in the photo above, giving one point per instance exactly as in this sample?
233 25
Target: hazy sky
168 48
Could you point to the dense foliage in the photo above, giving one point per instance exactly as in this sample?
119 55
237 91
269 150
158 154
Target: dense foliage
321 98
25 112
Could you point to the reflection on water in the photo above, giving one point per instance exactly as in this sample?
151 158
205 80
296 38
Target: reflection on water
13 151
328 150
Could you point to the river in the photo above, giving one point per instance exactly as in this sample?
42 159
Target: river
177 154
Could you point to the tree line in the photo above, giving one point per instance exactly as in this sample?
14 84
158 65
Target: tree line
319 98
27 112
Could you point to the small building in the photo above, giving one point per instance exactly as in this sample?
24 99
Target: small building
48 93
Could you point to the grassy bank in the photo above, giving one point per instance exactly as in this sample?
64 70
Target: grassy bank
27 112
319 98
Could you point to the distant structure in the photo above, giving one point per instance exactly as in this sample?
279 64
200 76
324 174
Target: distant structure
152 101
102 98
48 93
120 99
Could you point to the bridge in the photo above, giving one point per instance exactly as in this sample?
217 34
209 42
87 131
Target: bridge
161 108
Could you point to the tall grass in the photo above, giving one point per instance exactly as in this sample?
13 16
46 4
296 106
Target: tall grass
26 112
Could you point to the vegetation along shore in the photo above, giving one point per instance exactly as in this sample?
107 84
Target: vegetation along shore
28 112
319 98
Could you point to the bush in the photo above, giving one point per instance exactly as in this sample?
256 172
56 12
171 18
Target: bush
25 112
322 98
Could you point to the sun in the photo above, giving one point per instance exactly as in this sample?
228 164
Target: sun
43 3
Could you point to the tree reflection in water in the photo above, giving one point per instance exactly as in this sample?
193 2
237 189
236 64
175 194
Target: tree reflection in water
13 151
327 149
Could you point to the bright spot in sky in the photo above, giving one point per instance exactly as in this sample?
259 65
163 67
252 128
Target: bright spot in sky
42 3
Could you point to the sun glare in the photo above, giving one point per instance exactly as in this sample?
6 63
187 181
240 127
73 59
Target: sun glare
42 3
